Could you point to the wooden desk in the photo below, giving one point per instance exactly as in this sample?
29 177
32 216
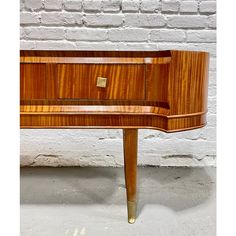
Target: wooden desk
165 90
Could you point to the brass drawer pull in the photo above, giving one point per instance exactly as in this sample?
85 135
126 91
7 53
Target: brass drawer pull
101 82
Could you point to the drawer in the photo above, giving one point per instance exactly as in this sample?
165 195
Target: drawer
123 82
32 81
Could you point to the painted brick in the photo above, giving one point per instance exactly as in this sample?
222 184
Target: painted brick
212 77
128 35
170 6
211 106
212 21
201 36
52 18
73 5
189 7
145 29
73 19
96 46
44 33
207 7
211 120
53 4
86 34
72 147
187 21
167 35
210 133
27 45
22 33
111 5
144 20
56 18
22 6
130 5
33 5
212 91
55 45
139 46
212 64
103 20
150 6
28 18
92 5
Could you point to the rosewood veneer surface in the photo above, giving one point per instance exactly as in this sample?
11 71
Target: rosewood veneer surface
164 90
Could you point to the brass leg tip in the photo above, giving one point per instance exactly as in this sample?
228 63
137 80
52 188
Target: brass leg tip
131 212
131 220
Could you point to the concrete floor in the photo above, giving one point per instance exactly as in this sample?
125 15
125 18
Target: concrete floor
92 201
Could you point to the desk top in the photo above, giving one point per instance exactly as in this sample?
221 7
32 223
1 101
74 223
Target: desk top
98 57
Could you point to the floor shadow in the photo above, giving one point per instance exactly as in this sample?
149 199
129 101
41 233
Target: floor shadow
67 185
175 188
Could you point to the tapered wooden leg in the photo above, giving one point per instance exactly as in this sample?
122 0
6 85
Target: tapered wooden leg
130 160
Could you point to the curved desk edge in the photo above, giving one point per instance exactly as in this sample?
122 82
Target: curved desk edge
109 117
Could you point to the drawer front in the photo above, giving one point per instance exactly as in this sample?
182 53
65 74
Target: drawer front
38 81
123 82
157 82
32 81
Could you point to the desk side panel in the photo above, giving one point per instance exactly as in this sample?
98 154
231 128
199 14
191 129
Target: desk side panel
188 82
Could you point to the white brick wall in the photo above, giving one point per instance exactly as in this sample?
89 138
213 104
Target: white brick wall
73 5
150 6
130 6
120 25
189 7
52 4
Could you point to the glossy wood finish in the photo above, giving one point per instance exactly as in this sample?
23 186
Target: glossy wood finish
38 81
108 117
35 87
157 77
130 158
188 82
78 81
172 85
95 57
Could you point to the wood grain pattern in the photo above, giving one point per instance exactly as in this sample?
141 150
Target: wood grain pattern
52 81
35 87
170 95
95 57
115 109
188 82
111 120
101 102
123 81
130 142
157 82
38 81
130 138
